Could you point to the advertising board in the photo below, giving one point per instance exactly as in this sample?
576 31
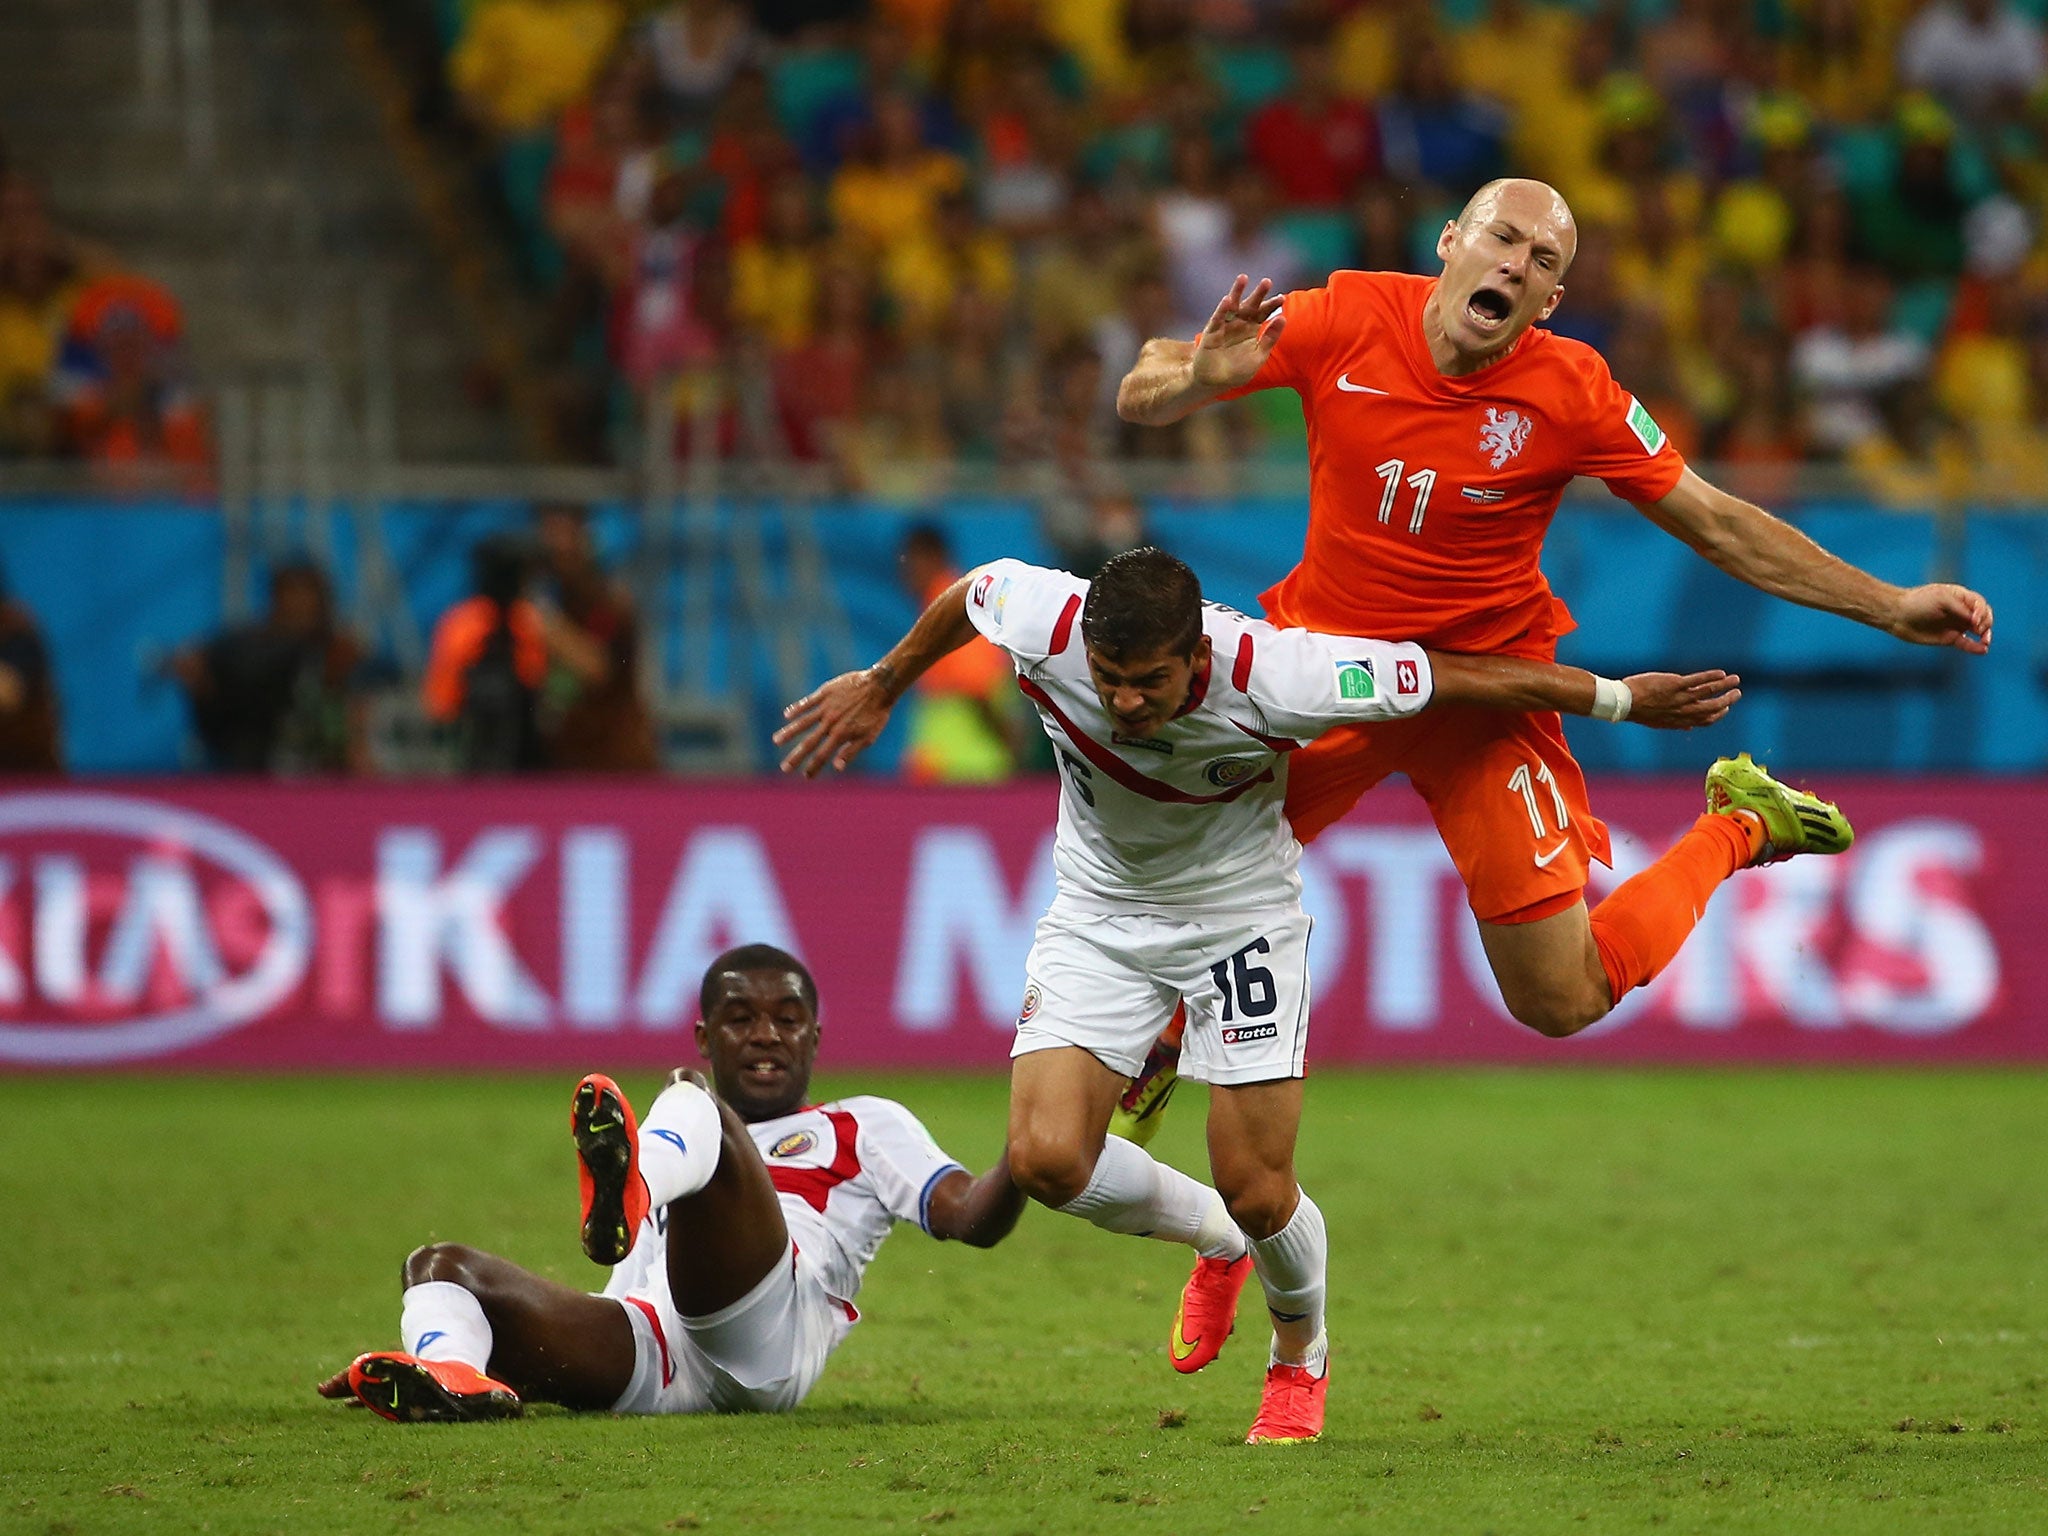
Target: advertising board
566 924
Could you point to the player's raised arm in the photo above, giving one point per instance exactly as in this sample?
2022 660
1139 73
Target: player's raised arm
1771 555
841 719
1662 700
1173 378
1308 683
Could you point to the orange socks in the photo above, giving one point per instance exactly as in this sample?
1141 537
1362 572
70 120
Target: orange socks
1640 927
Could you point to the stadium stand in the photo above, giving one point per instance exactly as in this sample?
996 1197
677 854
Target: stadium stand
786 277
1811 227
234 155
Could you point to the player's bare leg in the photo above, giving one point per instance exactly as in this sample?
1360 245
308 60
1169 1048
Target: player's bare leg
470 1313
1563 972
1549 971
1061 1155
1252 1130
725 1238
692 1160
1060 1104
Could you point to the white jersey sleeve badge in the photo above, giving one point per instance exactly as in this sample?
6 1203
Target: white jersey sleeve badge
1306 683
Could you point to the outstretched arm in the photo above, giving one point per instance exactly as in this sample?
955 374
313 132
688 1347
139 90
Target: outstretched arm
1773 556
1662 700
980 1212
1172 379
842 718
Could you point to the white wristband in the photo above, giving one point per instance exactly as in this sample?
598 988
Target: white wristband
1611 699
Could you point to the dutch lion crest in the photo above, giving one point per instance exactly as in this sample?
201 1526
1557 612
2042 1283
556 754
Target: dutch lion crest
1503 434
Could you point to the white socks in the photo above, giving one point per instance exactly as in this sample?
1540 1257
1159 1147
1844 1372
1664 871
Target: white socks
1291 1266
439 1320
1132 1193
679 1143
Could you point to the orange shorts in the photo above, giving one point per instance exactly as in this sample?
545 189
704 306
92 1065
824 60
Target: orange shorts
1507 795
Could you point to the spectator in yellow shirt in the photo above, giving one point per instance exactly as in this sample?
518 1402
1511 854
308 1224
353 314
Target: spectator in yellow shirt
775 277
518 63
924 273
38 280
1517 52
1561 135
889 193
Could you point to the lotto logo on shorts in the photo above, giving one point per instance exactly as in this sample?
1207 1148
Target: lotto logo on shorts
1244 1034
1407 677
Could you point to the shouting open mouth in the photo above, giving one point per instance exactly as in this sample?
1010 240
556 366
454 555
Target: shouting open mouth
1488 309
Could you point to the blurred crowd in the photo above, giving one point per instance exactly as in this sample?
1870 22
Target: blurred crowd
536 668
92 355
890 237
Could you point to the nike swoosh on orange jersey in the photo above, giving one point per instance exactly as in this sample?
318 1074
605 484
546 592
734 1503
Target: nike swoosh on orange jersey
1344 383
1543 859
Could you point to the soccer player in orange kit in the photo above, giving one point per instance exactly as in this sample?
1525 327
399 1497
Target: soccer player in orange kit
1442 431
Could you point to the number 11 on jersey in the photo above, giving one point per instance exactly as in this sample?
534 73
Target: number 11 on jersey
1422 482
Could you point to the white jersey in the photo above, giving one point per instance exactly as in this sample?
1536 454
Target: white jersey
1190 817
846 1173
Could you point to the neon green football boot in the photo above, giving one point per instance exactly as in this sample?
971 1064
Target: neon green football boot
1794 822
1142 1109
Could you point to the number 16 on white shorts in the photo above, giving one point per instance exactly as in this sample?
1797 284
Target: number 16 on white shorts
1108 983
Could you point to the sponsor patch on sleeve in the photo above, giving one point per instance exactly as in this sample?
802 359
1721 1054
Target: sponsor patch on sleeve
978 593
1354 679
1645 427
1407 678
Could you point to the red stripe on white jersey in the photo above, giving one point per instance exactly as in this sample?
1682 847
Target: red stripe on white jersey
1063 627
814 1186
1241 670
668 1365
1122 772
1275 743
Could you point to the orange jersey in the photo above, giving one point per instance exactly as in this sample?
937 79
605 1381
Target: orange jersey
459 640
1429 496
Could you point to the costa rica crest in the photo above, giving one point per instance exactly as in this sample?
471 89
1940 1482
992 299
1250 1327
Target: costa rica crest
1226 771
795 1144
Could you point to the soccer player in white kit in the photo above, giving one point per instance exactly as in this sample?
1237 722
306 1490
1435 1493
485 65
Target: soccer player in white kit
1177 876
739 1232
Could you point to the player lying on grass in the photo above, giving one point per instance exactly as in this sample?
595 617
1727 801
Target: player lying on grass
1173 720
739 1231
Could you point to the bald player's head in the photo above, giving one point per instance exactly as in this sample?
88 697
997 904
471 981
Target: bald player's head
1519 197
1504 260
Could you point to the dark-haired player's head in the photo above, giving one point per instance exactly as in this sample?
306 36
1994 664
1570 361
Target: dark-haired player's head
1142 630
758 1027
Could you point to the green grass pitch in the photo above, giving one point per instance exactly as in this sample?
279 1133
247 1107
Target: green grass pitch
1593 1301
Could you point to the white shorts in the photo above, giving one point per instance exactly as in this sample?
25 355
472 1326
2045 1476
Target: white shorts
762 1354
1109 982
